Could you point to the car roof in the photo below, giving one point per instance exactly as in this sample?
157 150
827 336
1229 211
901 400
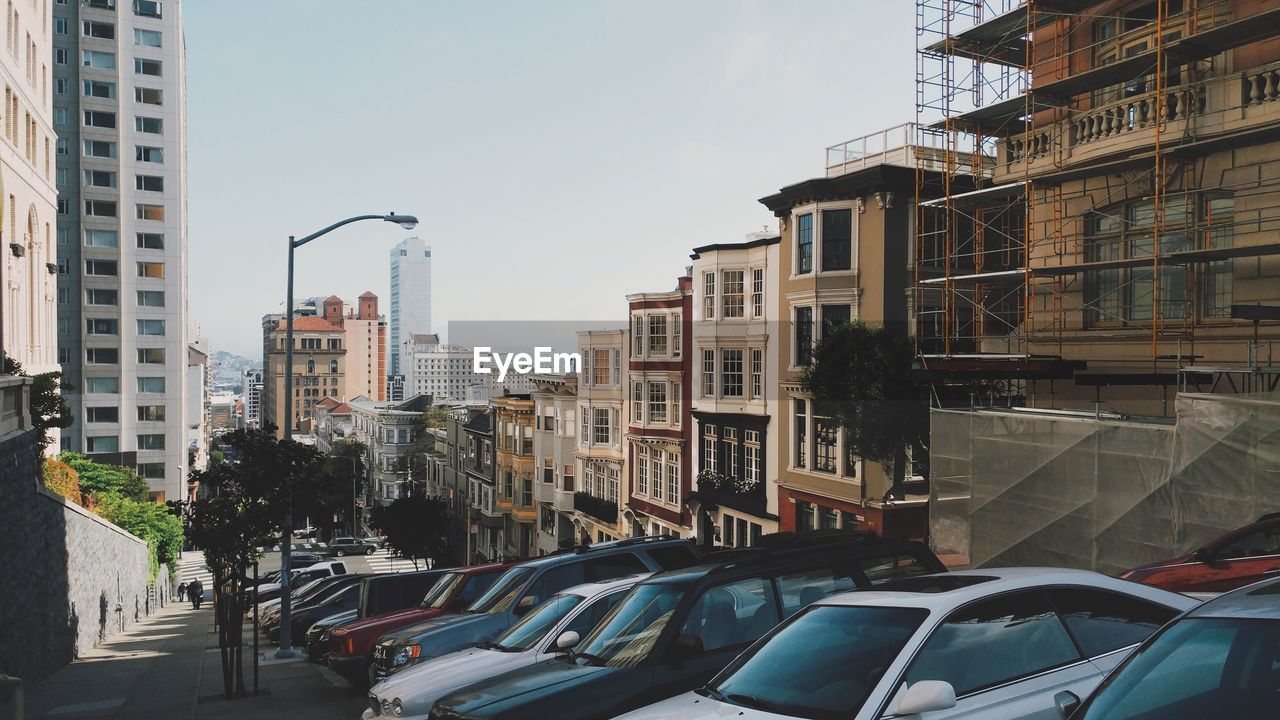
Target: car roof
608 547
1259 600
602 587
943 592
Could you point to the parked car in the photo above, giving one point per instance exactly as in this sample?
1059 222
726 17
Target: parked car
376 541
303 559
533 638
1241 557
998 644
300 577
522 588
340 546
351 646
1219 660
397 591
343 594
317 638
298 592
314 592
674 631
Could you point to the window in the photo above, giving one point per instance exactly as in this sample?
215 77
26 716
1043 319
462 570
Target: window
657 334
59 26
757 292
143 66
146 8
60 56
151 384
1126 295
673 479
151 356
708 295
1102 622
731 372
150 327
733 614
151 441
642 470
100 178
98 118
732 290
100 267
100 60
100 208
637 336
102 356
803 350
150 241
751 463
101 296
833 316
99 148
150 183
151 298
100 89
994 642
600 426
61 147
145 153
101 30
102 444
731 452
101 238
710 449
1218 230
149 38
657 402
804 244
102 385
148 96
150 413
801 589
601 366
825 432
708 373
102 414
637 401
799 457
151 125
837 239
757 373
151 270
150 212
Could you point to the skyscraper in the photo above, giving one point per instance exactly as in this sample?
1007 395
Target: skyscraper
119 108
410 294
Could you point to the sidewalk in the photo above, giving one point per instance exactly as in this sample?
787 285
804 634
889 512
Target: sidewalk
168 666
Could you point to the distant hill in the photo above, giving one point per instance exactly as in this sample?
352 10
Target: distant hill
231 361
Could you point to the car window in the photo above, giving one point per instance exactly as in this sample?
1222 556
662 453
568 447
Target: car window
591 615
802 588
616 566
503 592
1102 622
1265 541
530 628
556 579
674 557
883 568
475 585
993 642
632 628
732 614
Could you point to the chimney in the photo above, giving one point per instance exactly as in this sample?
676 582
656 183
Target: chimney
368 306
333 309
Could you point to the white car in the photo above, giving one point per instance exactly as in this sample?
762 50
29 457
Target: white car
993 644
301 577
535 637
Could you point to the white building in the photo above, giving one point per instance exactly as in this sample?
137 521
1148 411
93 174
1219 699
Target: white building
600 457
198 405
118 86
27 194
442 371
252 397
410 296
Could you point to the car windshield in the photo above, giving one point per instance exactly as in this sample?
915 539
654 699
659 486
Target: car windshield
1196 668
532 627
440 593
822 665
503 593
628 633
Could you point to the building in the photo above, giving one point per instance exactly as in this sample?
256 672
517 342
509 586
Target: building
387 430
395 383
444 372
198 419
366 371
735 407
478 461
29 260
659 467
118 87
514 458
555 439
222 411
843 255
599 457
319 363
410 294
252 397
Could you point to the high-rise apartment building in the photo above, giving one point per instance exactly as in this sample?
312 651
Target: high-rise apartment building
118 87
410 294
27 195
252 397
366 350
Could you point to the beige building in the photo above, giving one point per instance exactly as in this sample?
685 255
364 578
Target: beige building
599 458
513 435
319 363
366 343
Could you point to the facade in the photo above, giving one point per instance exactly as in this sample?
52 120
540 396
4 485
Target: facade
366 350
457 483
387 430
735 405
410 294
199 404
555 439
29 260
252 397
599 458
659 426
319 363
444 372
118 88
513 435
478 461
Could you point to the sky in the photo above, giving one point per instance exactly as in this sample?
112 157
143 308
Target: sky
560 154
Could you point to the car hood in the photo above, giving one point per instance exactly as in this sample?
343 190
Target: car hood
397 618
692 706
267 587
419 686
341 618
531 687
451 625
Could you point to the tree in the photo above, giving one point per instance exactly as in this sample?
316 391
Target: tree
343 474
415 526
48 409
860 376
62 479
97 479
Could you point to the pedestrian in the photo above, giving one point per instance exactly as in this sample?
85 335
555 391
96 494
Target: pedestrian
182 591
196 591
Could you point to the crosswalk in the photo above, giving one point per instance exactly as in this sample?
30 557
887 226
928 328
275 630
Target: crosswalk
381 561
192 567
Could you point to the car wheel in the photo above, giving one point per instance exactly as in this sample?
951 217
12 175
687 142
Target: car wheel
370 551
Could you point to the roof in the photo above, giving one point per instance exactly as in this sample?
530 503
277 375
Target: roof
311 323
479 423
368 294
1257 601
872 179
745 245
328 403
592 589
341 409
332 299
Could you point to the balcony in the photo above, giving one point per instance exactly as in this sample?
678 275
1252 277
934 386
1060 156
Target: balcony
908 145
602 510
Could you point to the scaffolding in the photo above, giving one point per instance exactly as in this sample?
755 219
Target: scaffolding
1042 94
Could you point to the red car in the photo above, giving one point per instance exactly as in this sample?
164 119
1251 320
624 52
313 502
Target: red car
1240 557
351 645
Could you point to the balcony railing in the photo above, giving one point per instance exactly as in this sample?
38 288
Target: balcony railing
603 510
907 145
1137 113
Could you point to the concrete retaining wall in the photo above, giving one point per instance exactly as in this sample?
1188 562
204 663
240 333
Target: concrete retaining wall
68 579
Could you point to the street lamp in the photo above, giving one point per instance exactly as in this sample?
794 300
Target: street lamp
408 222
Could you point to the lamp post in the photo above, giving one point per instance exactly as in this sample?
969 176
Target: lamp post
408 222
354 490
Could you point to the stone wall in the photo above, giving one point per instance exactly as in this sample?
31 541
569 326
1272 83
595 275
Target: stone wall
68 580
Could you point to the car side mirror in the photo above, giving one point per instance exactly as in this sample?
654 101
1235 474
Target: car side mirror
525 604
926 696
567 640
687 646
1066 703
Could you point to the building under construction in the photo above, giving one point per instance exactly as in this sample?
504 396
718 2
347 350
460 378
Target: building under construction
1123 239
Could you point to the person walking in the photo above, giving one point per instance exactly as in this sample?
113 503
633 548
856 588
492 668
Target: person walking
182 591
196 591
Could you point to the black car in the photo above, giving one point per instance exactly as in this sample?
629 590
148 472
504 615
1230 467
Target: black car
320 603
674 631
341 546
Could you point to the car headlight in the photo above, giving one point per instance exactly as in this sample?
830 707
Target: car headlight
386 707
397 707
405 654
374 705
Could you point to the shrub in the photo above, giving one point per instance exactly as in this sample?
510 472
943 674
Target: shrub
62 479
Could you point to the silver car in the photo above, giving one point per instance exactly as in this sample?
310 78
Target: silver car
409 694
999 644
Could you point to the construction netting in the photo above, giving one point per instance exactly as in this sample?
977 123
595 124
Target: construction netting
1027 487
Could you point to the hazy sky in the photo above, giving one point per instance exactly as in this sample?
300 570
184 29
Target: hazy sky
559 154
